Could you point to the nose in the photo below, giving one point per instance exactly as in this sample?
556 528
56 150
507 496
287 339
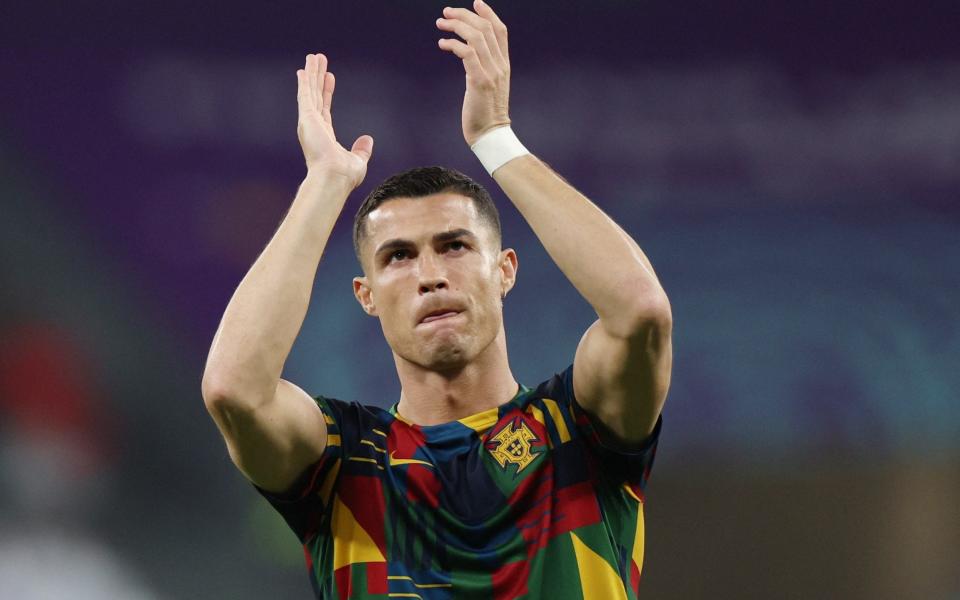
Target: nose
432 277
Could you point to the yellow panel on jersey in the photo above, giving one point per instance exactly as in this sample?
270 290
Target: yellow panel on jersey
597 577
351 544
331 477
558 421
481 421
637 554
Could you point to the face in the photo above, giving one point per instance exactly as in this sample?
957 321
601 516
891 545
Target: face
435 276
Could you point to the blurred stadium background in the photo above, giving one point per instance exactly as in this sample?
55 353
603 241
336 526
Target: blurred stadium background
791 169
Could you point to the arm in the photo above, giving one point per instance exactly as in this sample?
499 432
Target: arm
623 362
272 428
621 371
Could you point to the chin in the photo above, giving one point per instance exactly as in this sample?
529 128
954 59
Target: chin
445 351
448 358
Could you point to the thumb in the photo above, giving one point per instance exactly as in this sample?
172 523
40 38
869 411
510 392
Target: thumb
363 147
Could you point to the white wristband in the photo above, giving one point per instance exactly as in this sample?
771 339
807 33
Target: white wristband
497 147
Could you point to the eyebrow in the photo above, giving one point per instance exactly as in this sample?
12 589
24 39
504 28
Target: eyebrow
438 238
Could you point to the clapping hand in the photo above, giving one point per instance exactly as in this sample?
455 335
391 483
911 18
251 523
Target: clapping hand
323 154
487 66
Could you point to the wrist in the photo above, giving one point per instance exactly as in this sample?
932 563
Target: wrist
324 187
497 147
329 179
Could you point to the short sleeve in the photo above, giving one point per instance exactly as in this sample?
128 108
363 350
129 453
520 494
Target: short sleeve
304 504
626 465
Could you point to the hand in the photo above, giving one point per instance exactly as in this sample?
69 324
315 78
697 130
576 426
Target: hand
486 62
315 126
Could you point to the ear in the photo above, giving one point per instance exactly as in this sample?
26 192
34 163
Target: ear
364 295
508 270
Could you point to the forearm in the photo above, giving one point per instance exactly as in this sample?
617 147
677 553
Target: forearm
267 309
599 258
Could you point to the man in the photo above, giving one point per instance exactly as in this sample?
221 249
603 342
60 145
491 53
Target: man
471 485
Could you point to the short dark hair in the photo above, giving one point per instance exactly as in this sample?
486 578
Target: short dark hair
425 181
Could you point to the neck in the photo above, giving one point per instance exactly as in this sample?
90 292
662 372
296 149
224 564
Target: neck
431 398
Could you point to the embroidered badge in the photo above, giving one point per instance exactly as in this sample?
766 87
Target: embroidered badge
514 444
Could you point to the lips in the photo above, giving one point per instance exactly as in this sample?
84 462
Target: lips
440 312
439 315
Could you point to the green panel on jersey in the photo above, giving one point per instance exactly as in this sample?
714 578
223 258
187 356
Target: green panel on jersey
471 584
559 554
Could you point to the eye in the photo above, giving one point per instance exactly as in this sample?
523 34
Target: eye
456 245
397 255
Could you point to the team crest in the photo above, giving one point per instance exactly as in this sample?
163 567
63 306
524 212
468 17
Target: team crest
514 444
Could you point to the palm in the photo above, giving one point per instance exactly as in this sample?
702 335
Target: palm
486 61
482 112
315 126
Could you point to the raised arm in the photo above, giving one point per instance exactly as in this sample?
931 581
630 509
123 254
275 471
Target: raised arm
623 363
272 428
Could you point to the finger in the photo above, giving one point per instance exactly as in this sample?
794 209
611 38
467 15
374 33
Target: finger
363 147
500 30
321 67
328 84
474 39
484 26
305 87
471 63
311 70
303 93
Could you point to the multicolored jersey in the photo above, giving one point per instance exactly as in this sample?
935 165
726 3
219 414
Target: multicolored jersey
518 501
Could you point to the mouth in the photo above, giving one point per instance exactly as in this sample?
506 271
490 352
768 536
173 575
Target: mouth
439 315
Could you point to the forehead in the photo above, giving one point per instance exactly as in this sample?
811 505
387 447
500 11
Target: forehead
416 218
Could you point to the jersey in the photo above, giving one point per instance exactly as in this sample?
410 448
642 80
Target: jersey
523 500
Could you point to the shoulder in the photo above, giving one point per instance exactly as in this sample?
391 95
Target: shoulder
549 403
350 408
349 419
556 397
557 388
559 385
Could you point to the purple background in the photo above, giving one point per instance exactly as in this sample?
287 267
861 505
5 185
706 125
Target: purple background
791 169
